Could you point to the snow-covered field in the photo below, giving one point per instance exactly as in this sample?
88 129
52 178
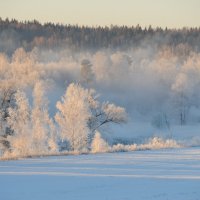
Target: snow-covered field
159 174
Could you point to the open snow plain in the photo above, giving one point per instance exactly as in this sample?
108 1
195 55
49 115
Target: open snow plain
159 174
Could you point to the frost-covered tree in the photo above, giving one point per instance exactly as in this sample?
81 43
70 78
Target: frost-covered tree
80 114
73 114
44 133
86 72
17 72
33 131
180 95
7 90
19 122
106 113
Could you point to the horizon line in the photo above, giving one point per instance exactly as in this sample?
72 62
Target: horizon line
143 27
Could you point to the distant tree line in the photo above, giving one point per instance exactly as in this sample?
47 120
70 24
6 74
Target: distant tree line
30 34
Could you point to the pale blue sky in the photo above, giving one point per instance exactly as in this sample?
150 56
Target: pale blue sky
171 13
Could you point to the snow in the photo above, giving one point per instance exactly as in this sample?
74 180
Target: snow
157 174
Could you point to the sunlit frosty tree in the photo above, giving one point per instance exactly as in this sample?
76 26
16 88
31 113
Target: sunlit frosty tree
72 117
80 114
44 133
19 122
16 73
33 131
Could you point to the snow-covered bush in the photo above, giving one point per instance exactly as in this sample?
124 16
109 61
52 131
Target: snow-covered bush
159 143
123 147
99 145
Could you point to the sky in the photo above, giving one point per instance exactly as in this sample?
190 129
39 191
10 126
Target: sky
162 13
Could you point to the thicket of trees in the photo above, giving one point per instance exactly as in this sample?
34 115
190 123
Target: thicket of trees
32 132
153 73
30 34
26 126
